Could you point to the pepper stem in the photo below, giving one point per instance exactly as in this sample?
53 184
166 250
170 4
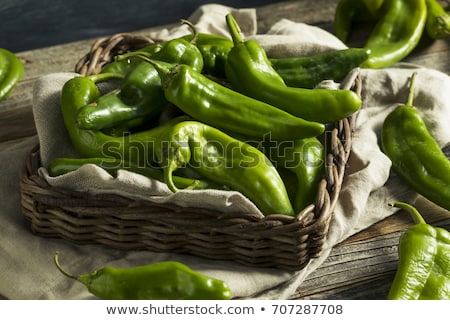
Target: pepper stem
412 83
61 269
234 29
193 29
417 217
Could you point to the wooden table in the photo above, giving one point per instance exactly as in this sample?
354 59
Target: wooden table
363 266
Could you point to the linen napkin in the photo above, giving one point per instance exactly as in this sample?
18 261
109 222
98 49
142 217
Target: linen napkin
26 268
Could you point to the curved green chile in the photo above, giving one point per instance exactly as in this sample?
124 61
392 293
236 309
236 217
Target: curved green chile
438 20
416 156
397 32
309 71
306 159
223 159
226 109
140 96
166 280
250 72
423 270
136 148
11 71
60 166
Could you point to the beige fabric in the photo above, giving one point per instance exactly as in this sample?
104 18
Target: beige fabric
26 268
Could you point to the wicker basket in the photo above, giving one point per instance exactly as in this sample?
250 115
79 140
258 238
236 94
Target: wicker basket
273 241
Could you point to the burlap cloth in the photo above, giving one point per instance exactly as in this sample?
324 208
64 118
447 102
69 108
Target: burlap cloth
27 270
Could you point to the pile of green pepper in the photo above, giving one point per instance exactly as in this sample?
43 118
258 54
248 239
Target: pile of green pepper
398 26
185 112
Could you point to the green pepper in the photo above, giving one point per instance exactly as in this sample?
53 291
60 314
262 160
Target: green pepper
140 96
438 20
125 66
250 72
136 148
11 71
224 159
208 101
177 51
416 156
166 280
396 33
60 166
306 159
309 71
214 49
424 261
349 12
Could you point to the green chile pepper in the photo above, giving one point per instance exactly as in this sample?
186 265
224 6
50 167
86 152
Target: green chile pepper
177 51
214 49
135 148
110 114
124 66
416 156
226 109
140 96
166 280
424 261
306 159
396 33
438 20
60 166
309 71
11 71
250 72
352 11
223 159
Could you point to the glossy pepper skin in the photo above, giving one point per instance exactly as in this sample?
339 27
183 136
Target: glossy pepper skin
11 71
60 166
350 11
166 280
135 148
424 261
309 71
306 159
250 72
224 159
396 33
214 49
140 95
226 109
438 20
179 50
416 156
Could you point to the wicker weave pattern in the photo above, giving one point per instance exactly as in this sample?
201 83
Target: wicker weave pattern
273 241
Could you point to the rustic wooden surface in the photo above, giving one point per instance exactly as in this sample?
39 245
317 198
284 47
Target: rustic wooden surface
363 266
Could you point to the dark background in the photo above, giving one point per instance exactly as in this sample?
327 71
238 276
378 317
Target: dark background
30 24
